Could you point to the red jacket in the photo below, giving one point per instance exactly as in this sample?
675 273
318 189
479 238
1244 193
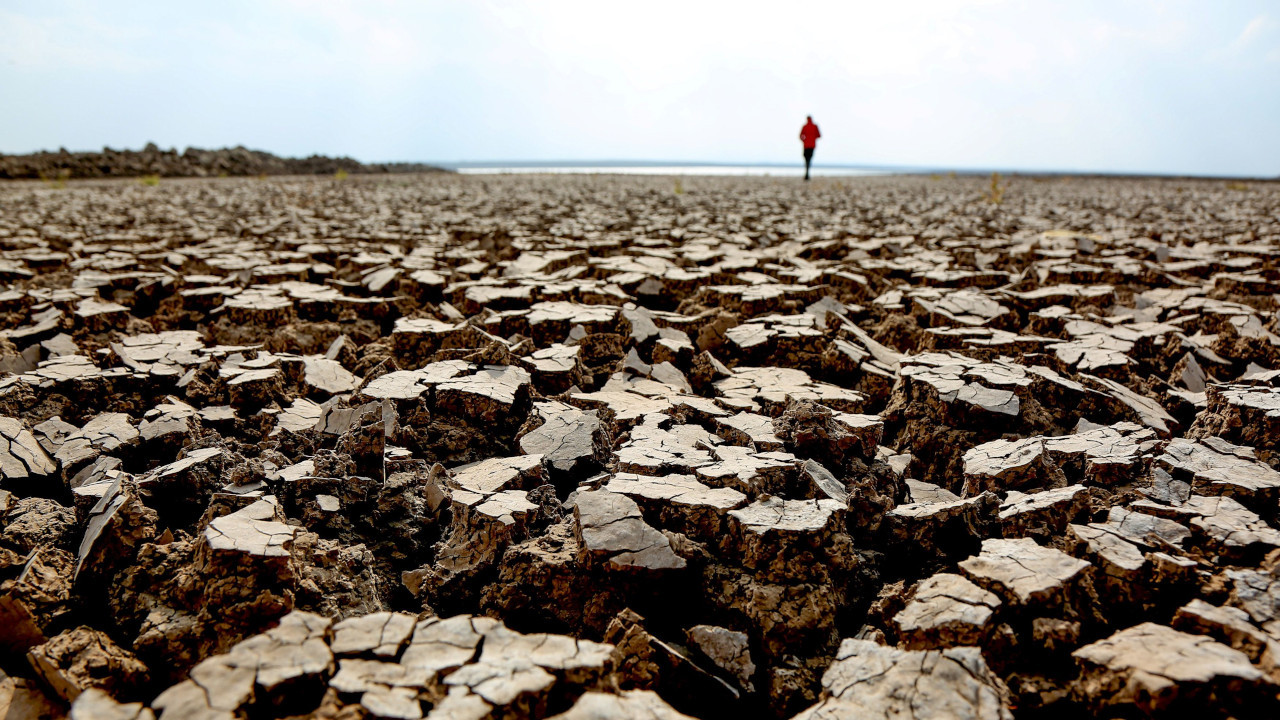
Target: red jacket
809 135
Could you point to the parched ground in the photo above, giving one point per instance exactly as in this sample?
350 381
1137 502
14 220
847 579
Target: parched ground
623 447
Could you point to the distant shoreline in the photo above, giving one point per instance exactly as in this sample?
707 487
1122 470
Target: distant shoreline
643 167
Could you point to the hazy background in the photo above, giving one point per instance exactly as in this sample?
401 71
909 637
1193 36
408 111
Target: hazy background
1120 85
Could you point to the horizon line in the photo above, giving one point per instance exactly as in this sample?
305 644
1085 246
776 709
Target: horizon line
896 169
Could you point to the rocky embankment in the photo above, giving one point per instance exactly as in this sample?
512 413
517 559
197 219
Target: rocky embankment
192 162
589 447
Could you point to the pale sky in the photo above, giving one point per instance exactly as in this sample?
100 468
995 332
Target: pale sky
1117 85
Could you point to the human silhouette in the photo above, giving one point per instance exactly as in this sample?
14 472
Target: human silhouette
809 136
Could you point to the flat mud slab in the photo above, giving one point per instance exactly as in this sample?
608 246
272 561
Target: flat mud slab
442 446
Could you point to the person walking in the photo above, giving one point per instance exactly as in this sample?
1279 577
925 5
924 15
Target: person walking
809 136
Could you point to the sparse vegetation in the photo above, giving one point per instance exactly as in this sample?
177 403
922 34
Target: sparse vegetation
679 186
1237 186
150 180
995 193
341 174
56 180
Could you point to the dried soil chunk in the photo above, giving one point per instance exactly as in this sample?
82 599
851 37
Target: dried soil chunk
21 456
772 530
626 705
522 472
611 529
398 703
1043 514
516 672
251 531
556 368
325 377
923 492
188 480
769 388
1002 465
550 321
1231 626
287 664
1144 529
38 522
1216 467
1023 572
83 658
654 450
482 528
35 601
749 472
749 429
381 634
1105 455
177 348
949 384
96 316
461 704
968 306
813 430
626 407
1121 562
397 385
117 525
1157 669
1148 411
946 610
928 532
873 681
94 704
417 339
679 501
302 414
1232 527
486 396
825 485
571 442
728 649
256 387
643 660
169 423
441 645
1258 593
1245 414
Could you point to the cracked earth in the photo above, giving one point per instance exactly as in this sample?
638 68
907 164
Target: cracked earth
450 446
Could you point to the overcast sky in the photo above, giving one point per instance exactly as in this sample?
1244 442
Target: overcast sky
1118 85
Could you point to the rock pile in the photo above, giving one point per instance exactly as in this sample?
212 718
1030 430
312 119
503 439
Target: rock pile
582 447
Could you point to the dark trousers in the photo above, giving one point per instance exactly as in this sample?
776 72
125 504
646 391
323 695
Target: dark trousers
808 158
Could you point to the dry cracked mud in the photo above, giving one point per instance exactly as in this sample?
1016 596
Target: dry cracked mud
442 446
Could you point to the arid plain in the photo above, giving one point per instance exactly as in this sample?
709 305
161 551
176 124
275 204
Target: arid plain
446 446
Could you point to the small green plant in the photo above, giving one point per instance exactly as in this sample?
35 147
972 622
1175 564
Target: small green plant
57 180
150 180
995 193
340 175
679 186
1237 186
